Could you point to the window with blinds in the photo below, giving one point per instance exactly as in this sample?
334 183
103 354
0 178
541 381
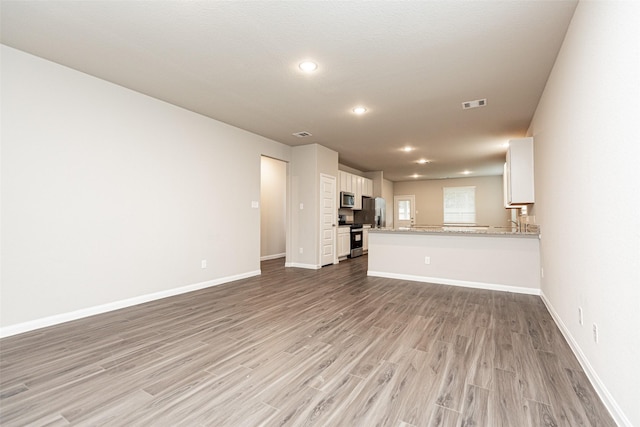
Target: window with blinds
404 210
459 205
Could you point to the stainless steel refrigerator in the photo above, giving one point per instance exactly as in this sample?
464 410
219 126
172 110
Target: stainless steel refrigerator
380 212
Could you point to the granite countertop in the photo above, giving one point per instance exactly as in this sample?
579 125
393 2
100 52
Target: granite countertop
462 230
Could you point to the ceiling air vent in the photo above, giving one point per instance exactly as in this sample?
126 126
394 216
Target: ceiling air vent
302 134
474 104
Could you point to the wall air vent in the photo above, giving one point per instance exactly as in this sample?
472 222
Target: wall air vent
474 104
302 134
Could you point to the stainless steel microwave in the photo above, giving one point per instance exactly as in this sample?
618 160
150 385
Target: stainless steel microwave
347 200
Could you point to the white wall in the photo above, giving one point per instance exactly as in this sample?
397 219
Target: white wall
273 213
588 197
504 263
109 195
349 169
429 199
305 194
308 162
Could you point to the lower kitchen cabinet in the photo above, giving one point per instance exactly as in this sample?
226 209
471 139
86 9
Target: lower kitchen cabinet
344 241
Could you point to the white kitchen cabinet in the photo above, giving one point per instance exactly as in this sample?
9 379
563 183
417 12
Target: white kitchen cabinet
358 180
518 173
343 181
344 241
357 185
367 187
346 183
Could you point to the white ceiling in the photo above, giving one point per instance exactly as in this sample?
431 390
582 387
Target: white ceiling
411 63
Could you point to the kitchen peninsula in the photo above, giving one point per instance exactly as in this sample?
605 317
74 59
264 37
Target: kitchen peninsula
484 257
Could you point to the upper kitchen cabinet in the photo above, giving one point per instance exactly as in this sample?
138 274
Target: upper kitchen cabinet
356 181
518 173
367 187
345 182
357 185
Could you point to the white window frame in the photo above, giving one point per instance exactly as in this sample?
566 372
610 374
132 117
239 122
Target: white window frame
459 205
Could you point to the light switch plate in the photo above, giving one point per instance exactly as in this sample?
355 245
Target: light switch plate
255 204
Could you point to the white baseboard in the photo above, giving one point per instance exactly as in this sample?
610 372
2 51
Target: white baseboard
116 305
462 283
299 265
606 397
274 256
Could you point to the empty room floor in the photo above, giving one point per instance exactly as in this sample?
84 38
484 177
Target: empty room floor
329 347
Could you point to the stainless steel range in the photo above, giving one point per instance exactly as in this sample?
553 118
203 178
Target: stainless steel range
356 240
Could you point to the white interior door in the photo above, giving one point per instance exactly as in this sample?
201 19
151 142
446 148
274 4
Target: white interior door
328 214
404 210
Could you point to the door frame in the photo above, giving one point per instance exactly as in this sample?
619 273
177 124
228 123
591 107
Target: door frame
287 212
334 228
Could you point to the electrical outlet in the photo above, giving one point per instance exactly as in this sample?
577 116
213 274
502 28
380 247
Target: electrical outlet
427 260
580 319
595 333
203 263
301 250
542 272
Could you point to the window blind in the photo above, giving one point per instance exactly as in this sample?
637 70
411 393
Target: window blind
459 205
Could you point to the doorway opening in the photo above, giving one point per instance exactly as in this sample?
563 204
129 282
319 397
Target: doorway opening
273 208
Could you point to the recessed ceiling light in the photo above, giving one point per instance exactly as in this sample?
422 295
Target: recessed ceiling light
415 175
467 172
407 149
359 110
308 66
423 161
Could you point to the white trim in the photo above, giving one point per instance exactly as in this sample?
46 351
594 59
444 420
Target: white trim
300 265
462 283
274 256
606 397
56 319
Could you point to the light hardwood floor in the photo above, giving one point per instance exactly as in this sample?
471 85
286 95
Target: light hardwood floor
297 347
